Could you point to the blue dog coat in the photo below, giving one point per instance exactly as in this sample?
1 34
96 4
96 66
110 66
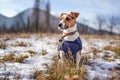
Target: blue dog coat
73 46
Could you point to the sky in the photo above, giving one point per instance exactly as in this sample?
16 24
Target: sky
88 9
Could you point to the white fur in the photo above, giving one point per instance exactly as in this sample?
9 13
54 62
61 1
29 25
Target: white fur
78 58
61 60
71 37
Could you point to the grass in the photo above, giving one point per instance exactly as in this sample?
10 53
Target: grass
3 45
101 37
56 71
114 49
12 58
61 72
17 76
26 35
9 57
48 43
95 51
32 53
38 75
22 44
108 58
65 72
44 52
84 59
20 59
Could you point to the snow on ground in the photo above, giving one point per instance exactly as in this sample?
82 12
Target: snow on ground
98 68
32 63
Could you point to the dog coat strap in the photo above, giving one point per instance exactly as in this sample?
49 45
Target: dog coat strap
67 34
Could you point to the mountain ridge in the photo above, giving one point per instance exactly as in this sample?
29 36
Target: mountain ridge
22 19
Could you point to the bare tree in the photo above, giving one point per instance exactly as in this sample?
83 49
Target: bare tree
4 29
118 28
118 25
101 20
48 15
113 21
17 26
28 24
12 28
85 29
0 30
36 13
23 24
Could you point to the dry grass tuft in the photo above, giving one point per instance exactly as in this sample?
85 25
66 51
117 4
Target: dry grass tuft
44 52
114 49
101 36
3 45
108 58
6 58
15 35
95 51
20 59
32 53
11 58
22 44
48 43
17 76
84 59
116 74
38 75
65 72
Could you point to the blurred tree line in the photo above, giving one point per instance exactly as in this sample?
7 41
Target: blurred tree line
33 21
111 22
103 22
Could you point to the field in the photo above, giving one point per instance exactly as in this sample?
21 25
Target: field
34 56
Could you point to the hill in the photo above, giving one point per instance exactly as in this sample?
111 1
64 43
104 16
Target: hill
21 20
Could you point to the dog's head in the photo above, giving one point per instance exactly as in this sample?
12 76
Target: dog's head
67 20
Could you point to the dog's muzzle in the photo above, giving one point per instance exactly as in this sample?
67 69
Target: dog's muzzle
62 26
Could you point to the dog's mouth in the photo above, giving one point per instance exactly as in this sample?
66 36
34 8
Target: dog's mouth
66 27
62 26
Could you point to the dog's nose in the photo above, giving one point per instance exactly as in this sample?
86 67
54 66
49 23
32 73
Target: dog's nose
60 25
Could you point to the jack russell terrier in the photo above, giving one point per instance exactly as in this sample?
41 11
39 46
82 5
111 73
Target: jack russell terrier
70 41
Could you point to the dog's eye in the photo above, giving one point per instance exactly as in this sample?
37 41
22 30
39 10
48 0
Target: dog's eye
67 19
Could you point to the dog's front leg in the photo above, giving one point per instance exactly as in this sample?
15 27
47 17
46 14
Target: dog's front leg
61 55
78 57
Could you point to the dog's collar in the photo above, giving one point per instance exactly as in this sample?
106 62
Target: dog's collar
69 31
67 34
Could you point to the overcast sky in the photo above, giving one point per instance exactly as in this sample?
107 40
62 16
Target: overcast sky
88 8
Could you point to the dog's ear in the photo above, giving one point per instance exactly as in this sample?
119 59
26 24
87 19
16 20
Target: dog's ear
62 14
76 14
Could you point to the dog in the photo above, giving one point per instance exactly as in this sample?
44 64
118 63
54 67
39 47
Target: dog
70 41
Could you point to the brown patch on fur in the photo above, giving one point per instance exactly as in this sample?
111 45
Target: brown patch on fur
69 19
76 14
